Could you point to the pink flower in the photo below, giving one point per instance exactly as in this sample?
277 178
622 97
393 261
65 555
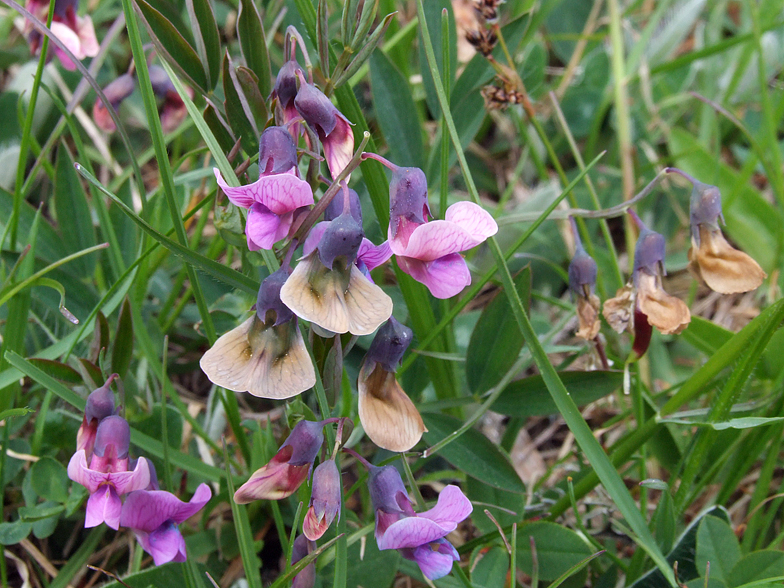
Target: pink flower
277 197
154 516
325 500
333 129
291 465
418 537
75 32
116 91
107 478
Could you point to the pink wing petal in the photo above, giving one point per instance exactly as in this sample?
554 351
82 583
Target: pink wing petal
412 532
444 277
281 193
265 228
474 219
166 544
339 147
104 505
146 510
71 41
452 507
86 32
374 255
138 479
438 238
81 474
242 196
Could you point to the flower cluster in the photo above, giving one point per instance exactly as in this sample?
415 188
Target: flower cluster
75 32
103 442
643 303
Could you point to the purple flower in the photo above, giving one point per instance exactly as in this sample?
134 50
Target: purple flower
291 465
325 500
117 91
100 404
418 537
154 516
333 129
277 197
107 477
75 32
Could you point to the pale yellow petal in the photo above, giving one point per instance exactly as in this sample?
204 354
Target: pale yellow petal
588 315
269 362
618 310
338 300
386 412
722 267
667 313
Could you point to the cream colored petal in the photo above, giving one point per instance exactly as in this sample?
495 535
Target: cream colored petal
338 300
722 267
386 412
618 310
367 304
266 362
588 315
667 313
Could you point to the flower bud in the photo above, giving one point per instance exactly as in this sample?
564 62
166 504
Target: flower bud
384 485
336 206
407 198
582 273
286 83
307 577
113 438
704 208
389 344
269 297
314 106
277 151
649 253
100 404
325 500
342 238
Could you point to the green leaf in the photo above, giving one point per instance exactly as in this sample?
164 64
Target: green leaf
49 479
506 507
396 112
473 453
529 396
58 370
12 533
557 549
489 568
757 566
433 9
253 44
218 128
41 511
249 83
73 214
664 523
496 341
703 583
706 335
718 546
237 109
173 45
206 33
122 352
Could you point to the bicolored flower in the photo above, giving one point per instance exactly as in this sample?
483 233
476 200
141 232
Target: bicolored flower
333 129
386 412
154 516
266 355
75 32
325 499
582 282
327 288
291 465
711 258
117 91
418 537
100 404
172 111
107 477
430 251
277 197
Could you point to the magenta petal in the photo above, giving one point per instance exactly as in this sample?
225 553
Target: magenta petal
339 147
434 563
473 219
165 544
438 238
412 532
451 508
146 510
104 505
138 479
241 196
265 228
313 238
281 193
444 277
373 256
81 474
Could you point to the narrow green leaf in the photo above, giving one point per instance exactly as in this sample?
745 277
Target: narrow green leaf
205 29
473 453
239 513
253 44
237 109
173 46
496 341
73 213
249 83
122 352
